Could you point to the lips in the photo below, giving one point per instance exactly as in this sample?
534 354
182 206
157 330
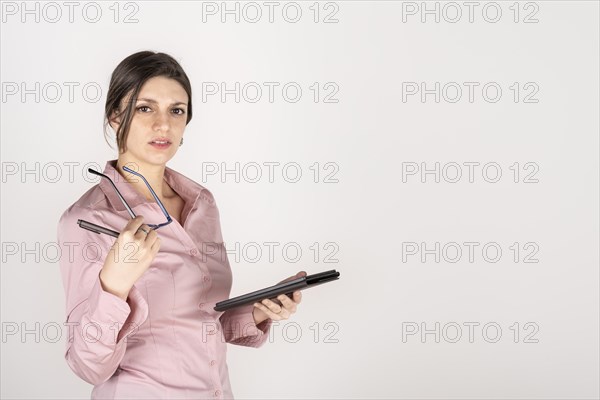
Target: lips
160 140
160 143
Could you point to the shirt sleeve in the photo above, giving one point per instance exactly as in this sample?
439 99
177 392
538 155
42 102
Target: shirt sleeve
239 327
98 322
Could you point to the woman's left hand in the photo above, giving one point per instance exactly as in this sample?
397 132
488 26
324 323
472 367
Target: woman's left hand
269 309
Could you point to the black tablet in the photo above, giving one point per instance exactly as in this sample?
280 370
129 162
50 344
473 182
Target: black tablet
272 292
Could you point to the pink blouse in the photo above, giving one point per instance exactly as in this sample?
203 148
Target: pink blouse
166 340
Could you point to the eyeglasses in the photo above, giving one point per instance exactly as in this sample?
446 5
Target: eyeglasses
100 229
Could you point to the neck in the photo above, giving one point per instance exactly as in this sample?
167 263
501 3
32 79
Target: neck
154 174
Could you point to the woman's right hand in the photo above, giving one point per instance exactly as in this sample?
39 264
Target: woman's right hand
129 257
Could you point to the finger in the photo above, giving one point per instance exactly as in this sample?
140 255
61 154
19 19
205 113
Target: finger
155 246
288 279
148 242
297 296
280 311
151 236
134 224
276 308
146 251
267 311
291 278
287 303
142 232
284 314
130 228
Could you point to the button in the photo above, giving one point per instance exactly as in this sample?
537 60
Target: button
201 305
212 362
217 393
193 252
206 278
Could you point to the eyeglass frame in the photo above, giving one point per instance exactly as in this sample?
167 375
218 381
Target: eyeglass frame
100 229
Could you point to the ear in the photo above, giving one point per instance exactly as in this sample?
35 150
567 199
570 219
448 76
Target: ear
114 121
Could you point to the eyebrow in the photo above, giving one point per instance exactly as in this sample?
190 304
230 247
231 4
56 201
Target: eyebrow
155 102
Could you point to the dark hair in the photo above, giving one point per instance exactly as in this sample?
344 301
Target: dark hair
129 77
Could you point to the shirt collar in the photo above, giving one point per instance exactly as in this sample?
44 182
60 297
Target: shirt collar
185 187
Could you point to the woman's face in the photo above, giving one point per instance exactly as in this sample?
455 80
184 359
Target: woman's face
160 113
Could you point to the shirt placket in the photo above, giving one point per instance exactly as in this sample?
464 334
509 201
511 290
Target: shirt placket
212 333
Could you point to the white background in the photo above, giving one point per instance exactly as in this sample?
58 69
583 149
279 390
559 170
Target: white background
370 134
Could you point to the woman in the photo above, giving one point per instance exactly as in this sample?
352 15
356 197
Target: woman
140 308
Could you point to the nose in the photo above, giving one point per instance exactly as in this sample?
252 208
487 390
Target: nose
161 121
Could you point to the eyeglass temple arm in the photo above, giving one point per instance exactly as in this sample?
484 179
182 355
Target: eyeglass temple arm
160 204
129 210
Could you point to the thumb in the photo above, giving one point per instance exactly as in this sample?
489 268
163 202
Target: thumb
291 278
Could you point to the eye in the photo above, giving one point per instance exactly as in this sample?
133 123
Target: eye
139 108
180 109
